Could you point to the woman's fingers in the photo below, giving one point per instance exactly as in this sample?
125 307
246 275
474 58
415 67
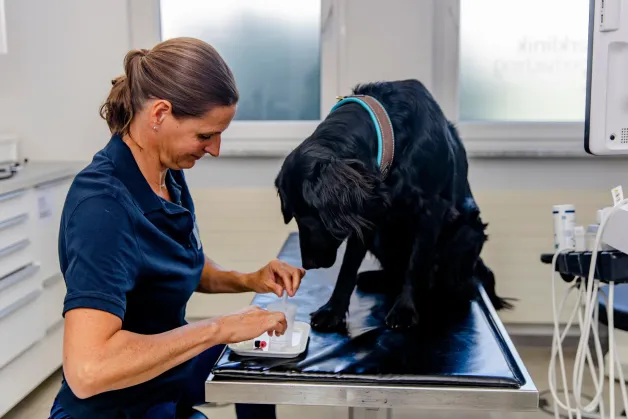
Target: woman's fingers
289 276
282 276
277 323
297 275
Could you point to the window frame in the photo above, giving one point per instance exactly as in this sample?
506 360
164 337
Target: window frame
260 138
481 139
492 139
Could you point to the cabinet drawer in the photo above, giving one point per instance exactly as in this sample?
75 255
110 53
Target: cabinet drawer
15 256
13 230
54 294
15 203
50 198
21 326
18 284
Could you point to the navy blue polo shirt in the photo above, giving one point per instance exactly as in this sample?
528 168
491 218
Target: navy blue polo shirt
125 250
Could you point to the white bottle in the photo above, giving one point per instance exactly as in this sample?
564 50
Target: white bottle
600 217
564 226
591 236
579 234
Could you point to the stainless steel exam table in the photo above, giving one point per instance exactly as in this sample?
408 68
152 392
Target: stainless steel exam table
466 364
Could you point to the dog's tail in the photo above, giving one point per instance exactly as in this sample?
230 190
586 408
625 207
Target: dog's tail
486 277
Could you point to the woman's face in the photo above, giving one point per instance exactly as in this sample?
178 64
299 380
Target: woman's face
181 142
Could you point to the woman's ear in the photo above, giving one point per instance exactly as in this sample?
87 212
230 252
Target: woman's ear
160 109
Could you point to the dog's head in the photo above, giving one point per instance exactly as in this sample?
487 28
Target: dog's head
329 198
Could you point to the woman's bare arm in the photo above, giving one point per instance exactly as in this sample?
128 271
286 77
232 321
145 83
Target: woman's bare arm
98 356
273 277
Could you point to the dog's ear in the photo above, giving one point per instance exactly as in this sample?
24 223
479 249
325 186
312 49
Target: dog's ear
346 195
286 210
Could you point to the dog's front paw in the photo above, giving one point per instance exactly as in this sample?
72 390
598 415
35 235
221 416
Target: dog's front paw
328 319
403 315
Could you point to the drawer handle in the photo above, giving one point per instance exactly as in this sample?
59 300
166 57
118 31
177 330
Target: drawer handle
13 221
12 248
12 195
55 326
23 351
49 282
27 299
53 182
18 275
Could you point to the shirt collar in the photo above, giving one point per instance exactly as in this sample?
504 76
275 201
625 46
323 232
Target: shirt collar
175 187
129 173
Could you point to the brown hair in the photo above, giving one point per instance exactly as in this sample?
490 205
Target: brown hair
187 72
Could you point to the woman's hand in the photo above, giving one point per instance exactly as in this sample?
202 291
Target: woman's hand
275 277
249 324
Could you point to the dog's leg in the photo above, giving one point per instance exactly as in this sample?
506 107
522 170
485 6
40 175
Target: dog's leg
416 276
374 282
331 317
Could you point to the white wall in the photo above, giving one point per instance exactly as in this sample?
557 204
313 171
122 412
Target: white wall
375 47
62 57
63 54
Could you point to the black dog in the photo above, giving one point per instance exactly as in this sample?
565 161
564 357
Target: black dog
421 222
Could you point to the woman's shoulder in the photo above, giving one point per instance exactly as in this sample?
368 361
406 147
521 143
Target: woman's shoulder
94 184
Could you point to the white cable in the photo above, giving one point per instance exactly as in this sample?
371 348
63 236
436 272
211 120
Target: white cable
557 349
612 343
611 349
591 301
587 320
557 346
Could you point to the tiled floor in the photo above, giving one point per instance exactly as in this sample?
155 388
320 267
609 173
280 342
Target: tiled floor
37 405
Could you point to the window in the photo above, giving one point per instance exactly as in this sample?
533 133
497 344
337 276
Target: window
512 74
272 46
523 61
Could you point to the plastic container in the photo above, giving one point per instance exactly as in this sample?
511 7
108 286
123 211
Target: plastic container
290 311
580 240
564 226
591 235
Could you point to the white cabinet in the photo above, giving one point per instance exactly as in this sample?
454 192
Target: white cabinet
49 198
31 285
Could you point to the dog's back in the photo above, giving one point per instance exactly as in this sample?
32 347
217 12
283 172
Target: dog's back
428 149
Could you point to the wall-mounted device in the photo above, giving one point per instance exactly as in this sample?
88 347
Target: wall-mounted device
606 118
4 48
10 161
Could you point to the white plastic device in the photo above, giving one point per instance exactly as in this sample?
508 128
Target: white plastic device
9 149
606 117
4 49
300 338
616 232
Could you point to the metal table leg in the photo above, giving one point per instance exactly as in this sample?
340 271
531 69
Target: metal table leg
369 413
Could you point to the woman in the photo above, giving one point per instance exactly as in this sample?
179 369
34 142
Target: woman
130 250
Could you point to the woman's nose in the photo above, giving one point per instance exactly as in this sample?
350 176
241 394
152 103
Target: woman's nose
213 148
